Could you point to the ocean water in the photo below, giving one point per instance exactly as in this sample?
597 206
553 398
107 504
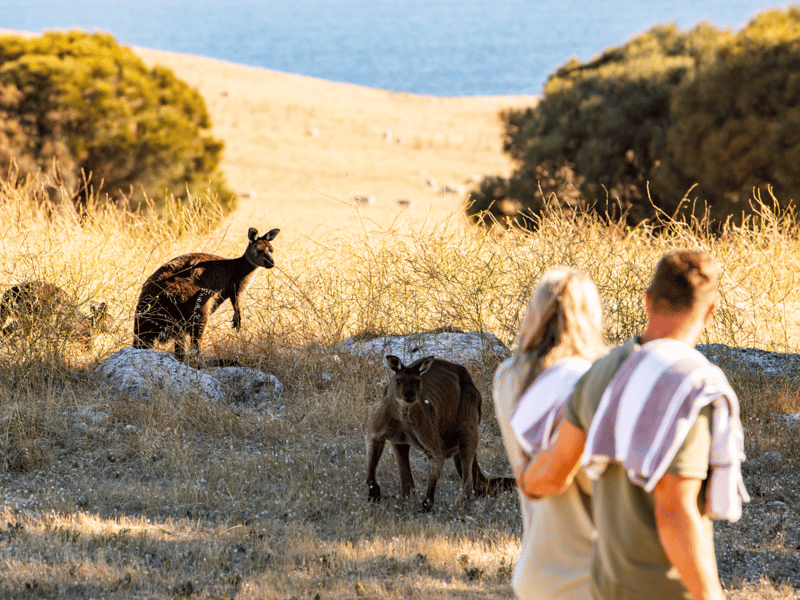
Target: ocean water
436 47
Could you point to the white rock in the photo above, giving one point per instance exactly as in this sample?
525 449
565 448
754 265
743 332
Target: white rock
249 387
792 420
137 374
751 360
457 346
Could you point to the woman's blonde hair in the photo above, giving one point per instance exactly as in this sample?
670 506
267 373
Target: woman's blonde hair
564 318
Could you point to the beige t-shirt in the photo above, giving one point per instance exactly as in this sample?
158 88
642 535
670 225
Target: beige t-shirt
629 562
557 535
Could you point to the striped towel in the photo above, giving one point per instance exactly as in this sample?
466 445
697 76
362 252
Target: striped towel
645 415
541 406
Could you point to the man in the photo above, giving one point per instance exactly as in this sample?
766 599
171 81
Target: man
654 539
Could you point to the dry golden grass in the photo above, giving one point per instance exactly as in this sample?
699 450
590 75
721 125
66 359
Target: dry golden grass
104 497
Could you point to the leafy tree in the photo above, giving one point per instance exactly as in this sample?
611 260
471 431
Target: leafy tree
87 114
599 131
682 124
735 129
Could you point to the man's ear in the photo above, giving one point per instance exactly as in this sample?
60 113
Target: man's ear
711 309
648 302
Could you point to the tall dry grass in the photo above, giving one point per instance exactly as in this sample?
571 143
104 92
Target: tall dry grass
172 498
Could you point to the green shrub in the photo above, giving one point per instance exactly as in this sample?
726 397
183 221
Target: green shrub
599 129
86 114
671 123
735 130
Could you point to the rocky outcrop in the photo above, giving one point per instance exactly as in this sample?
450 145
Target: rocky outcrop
751 360
451 344
140 374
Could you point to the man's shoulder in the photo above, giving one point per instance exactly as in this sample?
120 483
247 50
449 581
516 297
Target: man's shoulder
585 398
614 357
604 368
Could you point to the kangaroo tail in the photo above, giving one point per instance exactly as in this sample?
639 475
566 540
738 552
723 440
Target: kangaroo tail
485 486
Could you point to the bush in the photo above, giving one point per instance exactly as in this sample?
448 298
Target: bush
83 114
736 129
671 123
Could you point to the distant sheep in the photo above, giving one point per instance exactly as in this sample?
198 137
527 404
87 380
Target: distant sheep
178 299
434 405
364 199
33 305
453 188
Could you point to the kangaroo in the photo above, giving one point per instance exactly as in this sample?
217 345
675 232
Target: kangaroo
37 303
434 405
181 295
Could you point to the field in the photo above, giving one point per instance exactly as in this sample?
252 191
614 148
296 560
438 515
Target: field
107 498
300 149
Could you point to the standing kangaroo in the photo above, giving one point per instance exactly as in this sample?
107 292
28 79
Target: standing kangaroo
434 405
37 304
182 294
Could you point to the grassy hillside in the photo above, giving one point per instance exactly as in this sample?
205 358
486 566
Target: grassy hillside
301 148
104 497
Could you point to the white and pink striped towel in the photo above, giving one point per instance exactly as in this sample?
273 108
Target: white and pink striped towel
645 415
541 406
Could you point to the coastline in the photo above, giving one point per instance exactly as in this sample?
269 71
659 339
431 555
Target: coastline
299 150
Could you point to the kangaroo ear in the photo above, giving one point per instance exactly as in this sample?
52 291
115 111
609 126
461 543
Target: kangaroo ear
426 364
271 235
98 307
252 234
395 364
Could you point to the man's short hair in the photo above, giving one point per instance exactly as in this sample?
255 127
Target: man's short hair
683 279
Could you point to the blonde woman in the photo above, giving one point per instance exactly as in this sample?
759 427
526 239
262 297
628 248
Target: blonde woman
561 333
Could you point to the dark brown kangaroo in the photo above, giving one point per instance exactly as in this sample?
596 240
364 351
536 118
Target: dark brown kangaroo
181 295
434 405
35 304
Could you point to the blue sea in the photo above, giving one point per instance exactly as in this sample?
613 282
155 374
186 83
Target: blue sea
436 47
